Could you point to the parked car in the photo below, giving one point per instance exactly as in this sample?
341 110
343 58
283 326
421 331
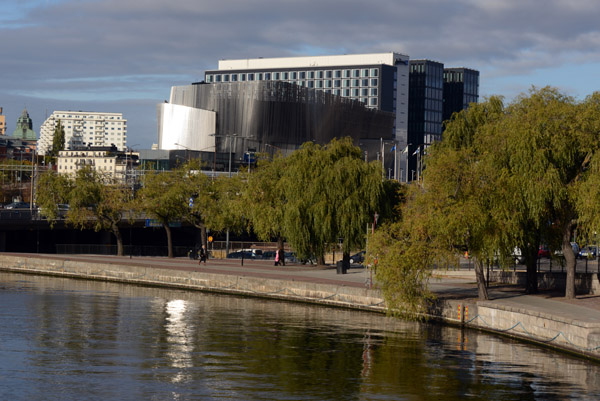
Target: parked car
255 253
240 255
543 252
18 205
358 257
588 252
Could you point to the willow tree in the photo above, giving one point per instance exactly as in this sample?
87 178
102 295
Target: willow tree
454 207
164 196
99 202
330 193
266 199
554 140
52 189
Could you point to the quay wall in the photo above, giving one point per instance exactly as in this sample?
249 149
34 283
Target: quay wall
554 331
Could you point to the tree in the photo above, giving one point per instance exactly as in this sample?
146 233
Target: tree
553 141
453 209
266 197
52 190
330 192
58 140
98 202
164 196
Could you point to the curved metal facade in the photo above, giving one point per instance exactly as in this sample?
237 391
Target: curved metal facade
279 114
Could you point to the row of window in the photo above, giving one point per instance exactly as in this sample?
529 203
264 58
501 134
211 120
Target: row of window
93 117
293 75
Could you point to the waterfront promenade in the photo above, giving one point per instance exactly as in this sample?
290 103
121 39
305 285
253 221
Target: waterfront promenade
547 318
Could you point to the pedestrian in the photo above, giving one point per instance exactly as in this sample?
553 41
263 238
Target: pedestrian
277 257
281 257
203 255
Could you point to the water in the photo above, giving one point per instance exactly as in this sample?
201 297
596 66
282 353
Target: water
63 339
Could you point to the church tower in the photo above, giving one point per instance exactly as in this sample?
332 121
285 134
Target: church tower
24 128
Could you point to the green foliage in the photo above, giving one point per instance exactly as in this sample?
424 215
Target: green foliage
98 202
52 189
58 140
330 193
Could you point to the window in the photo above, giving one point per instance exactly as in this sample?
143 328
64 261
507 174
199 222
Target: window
374 72
346 83
337 83
355 82
234 77
374 82
346 92
364 82
294 75
302 74
276 76
259 76
373 101
310 84
320 74
319 84
242 77
250 77
267 76
356 73
364 92
328 74
373 91
225 78
286 75
355 92
365 72
337 74
336 92
328 83
346 73
311 75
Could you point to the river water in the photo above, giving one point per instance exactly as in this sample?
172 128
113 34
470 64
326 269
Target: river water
63 339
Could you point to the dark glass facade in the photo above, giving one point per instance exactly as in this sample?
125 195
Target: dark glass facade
461 88
425 108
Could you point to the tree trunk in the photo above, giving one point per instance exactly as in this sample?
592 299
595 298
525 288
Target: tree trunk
169 240
203 236
480 275
119 237
569 259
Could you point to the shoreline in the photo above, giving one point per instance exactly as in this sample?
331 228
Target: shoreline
534 321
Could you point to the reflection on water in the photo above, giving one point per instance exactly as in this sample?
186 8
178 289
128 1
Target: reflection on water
68 339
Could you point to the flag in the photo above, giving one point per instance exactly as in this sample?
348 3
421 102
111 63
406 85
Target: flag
405 149
416 151
393 148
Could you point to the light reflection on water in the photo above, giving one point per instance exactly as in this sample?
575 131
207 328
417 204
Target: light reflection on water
71 340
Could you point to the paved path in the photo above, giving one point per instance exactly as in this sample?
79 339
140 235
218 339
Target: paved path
456 285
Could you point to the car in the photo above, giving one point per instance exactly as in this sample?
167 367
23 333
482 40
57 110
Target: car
255 253
358 257
240 255
543 252
18 205
588 252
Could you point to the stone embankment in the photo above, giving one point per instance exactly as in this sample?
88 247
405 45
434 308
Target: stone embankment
555 324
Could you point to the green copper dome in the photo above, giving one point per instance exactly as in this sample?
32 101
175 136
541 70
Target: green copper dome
24 130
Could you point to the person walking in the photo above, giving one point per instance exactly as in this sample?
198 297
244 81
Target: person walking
203 255
277 258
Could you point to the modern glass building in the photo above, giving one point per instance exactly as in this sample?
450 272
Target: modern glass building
265 116
461 88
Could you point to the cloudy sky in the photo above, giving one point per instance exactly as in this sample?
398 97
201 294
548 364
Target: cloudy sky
124 55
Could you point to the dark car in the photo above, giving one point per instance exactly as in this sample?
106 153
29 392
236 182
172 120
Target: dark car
240 255
358 257
588 252
17 205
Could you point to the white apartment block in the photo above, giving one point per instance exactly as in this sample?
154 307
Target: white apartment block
84 128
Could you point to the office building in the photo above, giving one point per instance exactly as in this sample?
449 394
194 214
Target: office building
83 128
461 88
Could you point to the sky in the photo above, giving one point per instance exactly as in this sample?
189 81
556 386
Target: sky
125 55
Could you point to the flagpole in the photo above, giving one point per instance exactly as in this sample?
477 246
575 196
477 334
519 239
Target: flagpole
396 163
